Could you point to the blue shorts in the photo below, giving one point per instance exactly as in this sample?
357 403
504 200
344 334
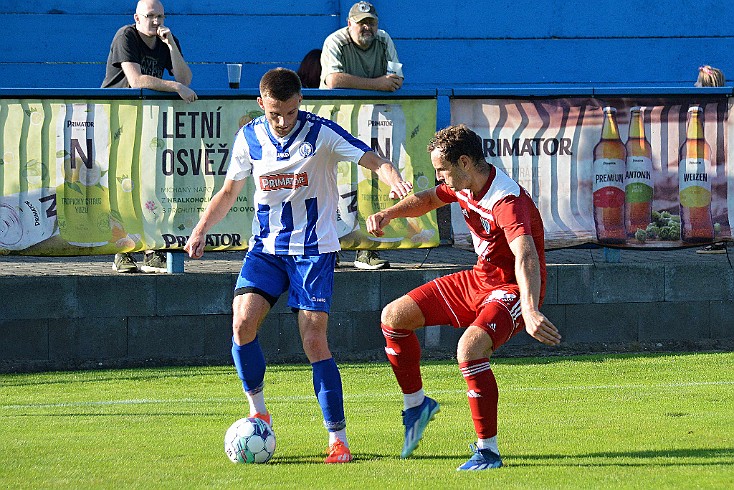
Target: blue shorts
308 279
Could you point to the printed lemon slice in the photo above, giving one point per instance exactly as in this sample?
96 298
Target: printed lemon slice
36 118
422 182
34 172
8 157
127 184
117 230
125 244
157 143
89 176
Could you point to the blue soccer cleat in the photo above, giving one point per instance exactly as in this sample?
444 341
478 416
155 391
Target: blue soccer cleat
482 459
415 421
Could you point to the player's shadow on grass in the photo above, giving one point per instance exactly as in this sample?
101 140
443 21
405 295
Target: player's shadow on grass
696 457
359 457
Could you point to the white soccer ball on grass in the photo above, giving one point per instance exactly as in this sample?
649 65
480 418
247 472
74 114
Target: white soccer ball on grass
249 440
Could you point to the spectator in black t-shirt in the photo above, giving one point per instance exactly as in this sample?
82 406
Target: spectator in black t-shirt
141 52
139 55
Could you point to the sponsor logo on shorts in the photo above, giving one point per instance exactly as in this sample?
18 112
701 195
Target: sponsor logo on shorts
318 300
500 295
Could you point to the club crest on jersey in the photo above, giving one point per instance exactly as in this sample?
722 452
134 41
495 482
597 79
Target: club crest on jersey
306 149
485 224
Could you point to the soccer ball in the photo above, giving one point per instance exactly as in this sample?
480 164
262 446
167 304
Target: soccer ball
249 440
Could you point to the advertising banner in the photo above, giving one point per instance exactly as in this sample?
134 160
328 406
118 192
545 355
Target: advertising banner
83 177
618 172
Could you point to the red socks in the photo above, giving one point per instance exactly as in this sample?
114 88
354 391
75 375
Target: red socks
483 394
404 353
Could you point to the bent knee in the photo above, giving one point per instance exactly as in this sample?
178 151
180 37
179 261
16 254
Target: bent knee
403 313
474 343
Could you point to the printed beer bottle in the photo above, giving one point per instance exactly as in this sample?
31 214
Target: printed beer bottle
694 182
82 158
608 188
638 183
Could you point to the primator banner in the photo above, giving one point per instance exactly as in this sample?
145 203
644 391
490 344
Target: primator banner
81 177
619 172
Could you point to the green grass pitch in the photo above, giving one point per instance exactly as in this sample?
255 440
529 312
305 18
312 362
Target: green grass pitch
603 421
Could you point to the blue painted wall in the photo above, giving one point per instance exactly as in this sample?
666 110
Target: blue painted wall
57 43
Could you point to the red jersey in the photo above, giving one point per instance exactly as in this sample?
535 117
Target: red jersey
502 211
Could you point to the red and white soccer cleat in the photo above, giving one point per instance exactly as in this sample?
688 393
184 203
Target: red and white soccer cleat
265 417
338 453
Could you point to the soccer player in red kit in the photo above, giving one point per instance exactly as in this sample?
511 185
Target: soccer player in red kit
492 301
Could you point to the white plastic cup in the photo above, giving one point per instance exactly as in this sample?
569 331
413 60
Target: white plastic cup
234 72
395 68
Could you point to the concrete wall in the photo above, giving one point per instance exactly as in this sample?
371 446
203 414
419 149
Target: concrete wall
89 321
95 321
55 43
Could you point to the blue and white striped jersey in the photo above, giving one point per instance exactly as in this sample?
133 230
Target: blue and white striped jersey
296 192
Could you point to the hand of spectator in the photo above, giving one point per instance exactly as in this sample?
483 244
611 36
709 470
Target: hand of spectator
165 34
186 93
390 83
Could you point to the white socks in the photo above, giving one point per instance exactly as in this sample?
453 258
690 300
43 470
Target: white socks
490 444
257 403
339 434
411 400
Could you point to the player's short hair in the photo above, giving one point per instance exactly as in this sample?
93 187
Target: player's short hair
280 84
458 140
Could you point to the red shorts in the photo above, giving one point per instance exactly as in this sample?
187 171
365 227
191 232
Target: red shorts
468 298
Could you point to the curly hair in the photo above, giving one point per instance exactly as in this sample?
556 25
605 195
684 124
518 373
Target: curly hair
454 141
280 84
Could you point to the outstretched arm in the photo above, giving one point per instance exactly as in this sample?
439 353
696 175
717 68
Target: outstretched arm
217 209
527 273
136 79
387 173
410 207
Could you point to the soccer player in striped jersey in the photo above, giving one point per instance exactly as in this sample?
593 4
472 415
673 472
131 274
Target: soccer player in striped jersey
493 301
292 156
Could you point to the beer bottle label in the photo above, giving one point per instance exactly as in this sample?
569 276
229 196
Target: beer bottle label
608 185
695 182
382 128
82 143
638 179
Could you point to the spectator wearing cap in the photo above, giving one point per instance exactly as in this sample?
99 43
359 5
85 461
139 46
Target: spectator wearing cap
356 56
